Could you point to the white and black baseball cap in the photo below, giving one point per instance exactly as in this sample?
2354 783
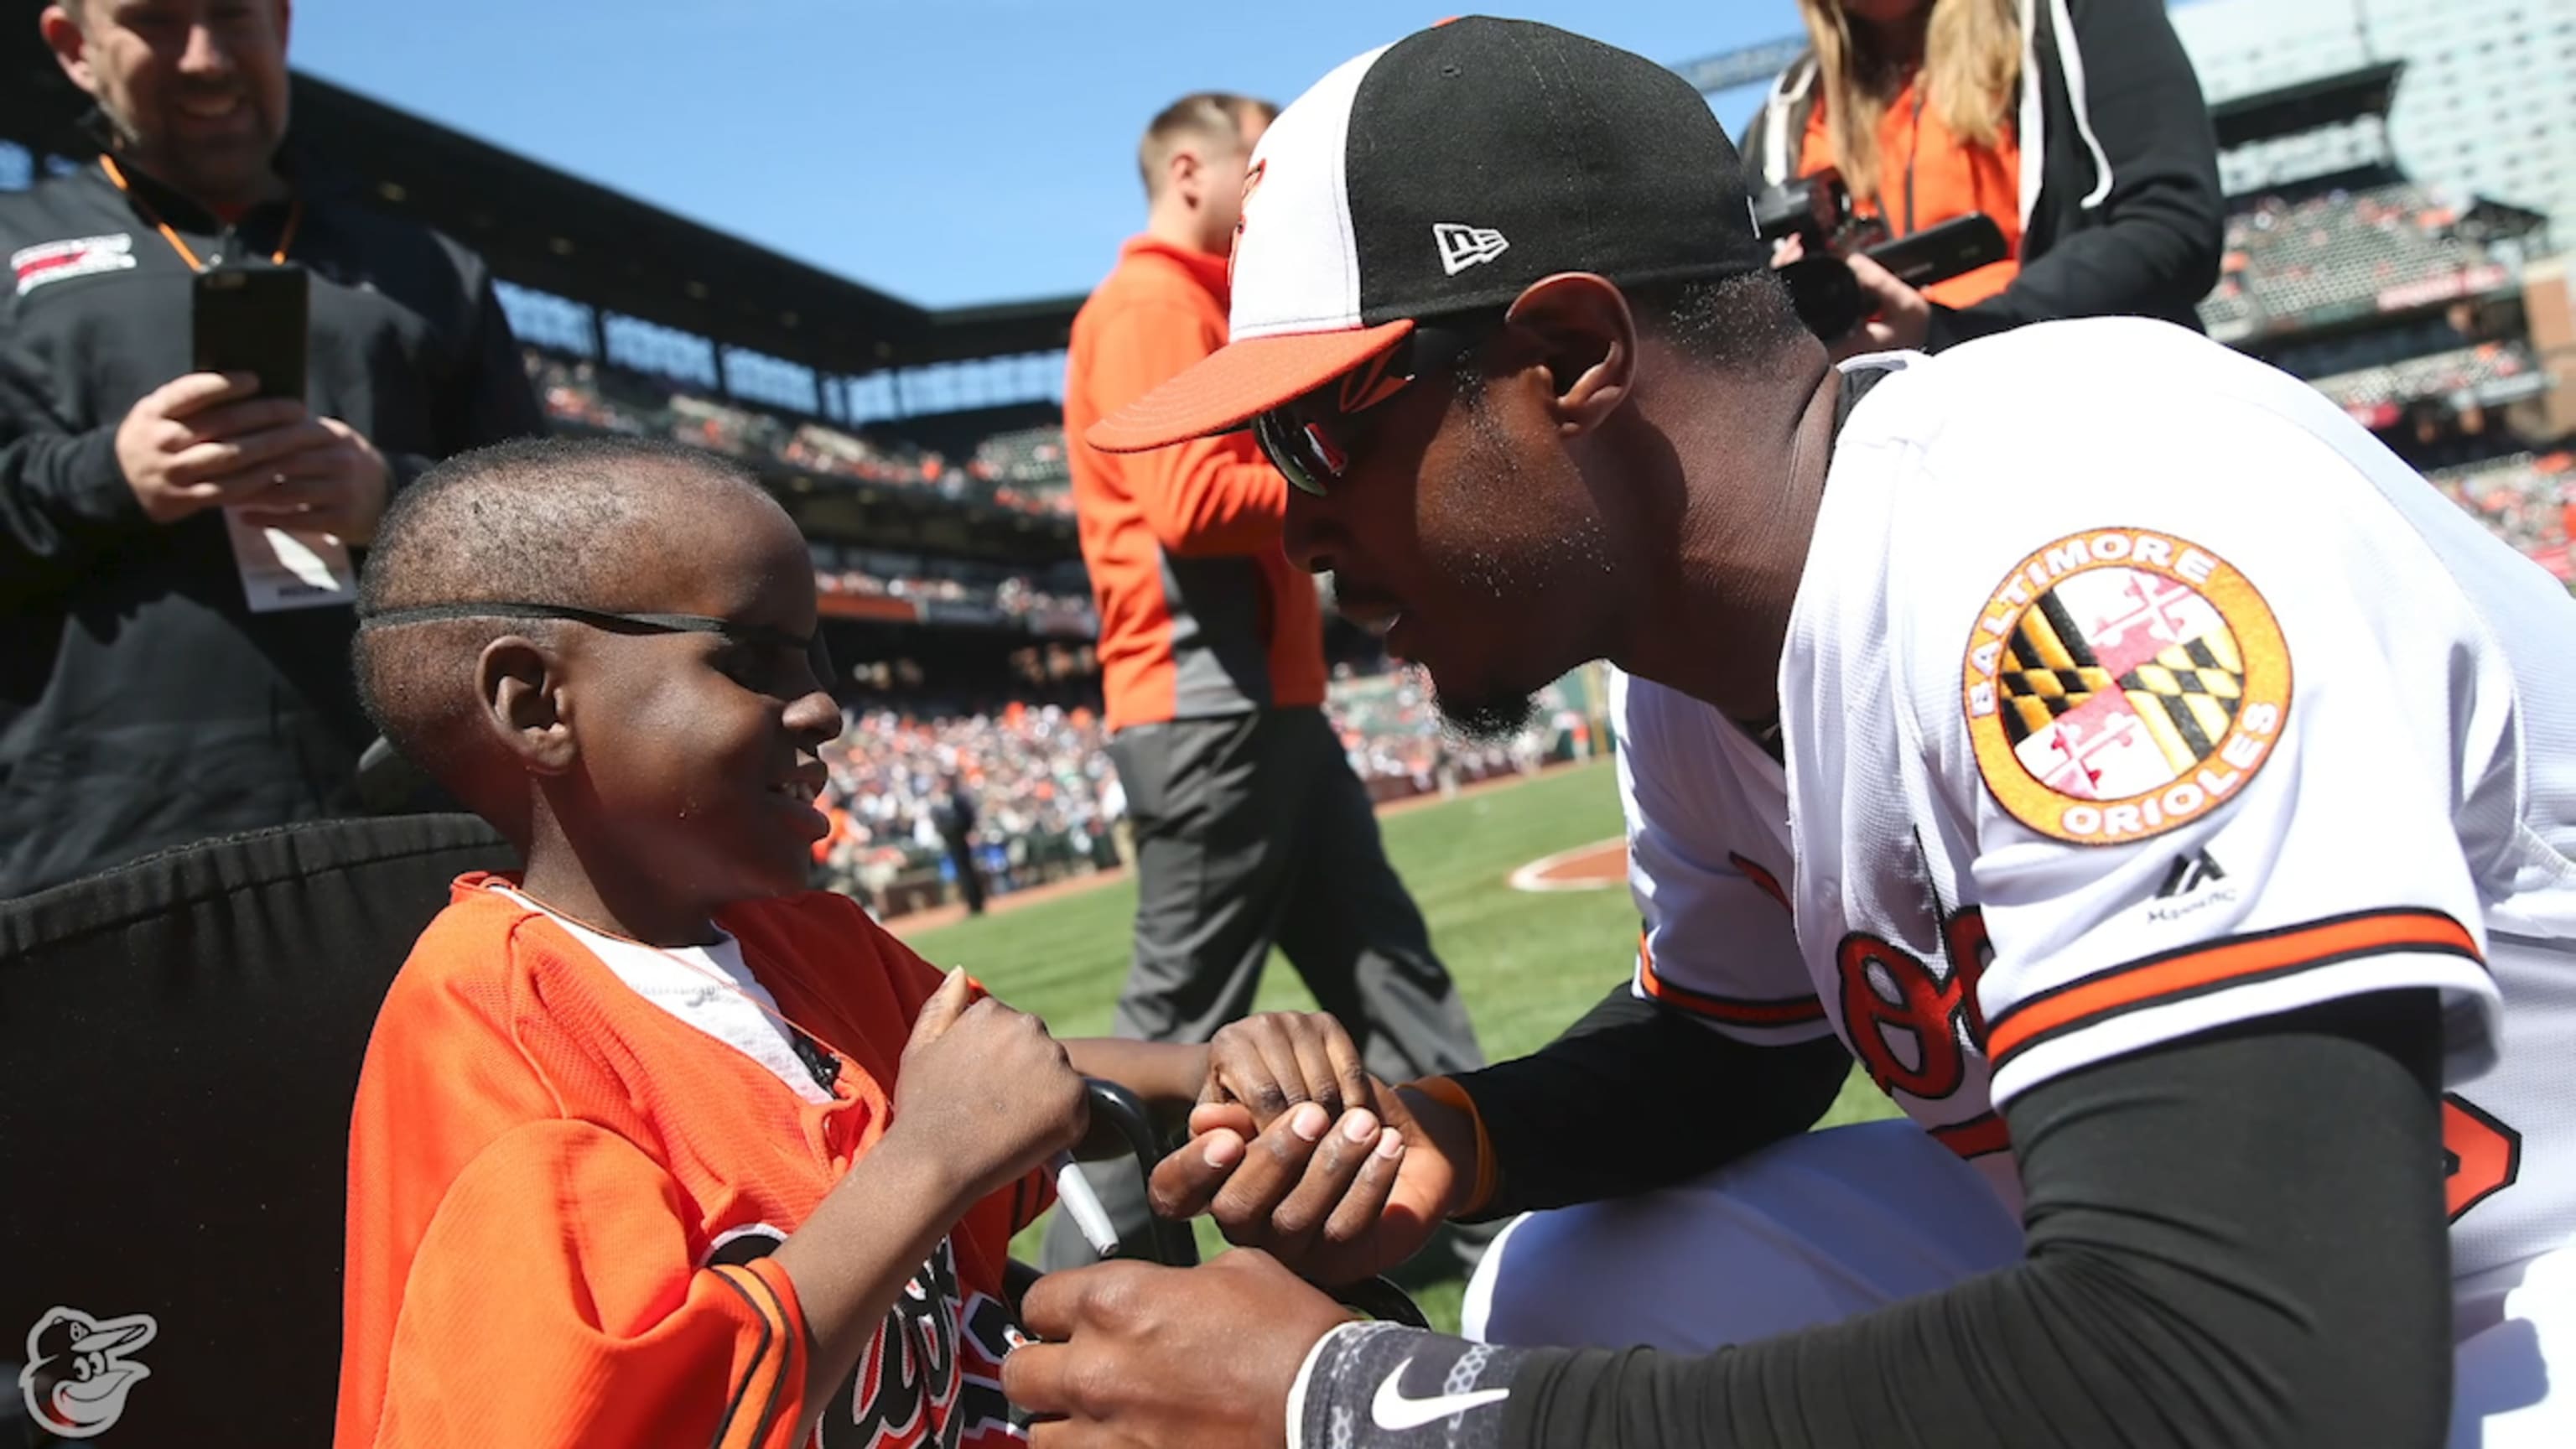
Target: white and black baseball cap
1442 175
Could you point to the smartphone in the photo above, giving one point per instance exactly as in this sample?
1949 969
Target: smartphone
252 319
1937 253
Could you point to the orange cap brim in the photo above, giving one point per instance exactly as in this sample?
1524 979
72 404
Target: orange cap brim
1237 382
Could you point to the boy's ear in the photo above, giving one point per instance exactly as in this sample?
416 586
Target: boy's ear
519 685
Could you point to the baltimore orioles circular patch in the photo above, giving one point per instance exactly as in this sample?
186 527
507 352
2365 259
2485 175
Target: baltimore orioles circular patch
2122 682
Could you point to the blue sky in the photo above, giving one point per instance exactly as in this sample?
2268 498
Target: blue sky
954 151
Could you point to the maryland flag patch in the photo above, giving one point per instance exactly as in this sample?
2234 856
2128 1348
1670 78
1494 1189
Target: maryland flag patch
2120 683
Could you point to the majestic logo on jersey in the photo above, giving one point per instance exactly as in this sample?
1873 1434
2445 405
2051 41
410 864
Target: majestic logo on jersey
2120 683
63 260
78 1371
933 1373
2189 873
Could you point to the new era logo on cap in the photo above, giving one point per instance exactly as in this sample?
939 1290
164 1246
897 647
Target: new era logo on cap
1462 247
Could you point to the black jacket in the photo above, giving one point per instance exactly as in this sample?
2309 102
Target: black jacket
2121 211
142 703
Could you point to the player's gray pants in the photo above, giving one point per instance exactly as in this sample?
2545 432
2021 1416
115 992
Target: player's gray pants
1835 1223
1251 831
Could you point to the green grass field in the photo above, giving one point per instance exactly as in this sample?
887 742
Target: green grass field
1528 963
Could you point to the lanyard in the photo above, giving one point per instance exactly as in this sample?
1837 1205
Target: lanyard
285 238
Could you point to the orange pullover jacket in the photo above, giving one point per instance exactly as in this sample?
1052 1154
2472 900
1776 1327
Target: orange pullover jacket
1201 613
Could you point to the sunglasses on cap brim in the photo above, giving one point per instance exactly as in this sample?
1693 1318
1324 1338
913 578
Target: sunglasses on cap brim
754 636
1312 438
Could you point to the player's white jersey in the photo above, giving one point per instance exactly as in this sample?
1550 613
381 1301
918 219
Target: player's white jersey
2133 690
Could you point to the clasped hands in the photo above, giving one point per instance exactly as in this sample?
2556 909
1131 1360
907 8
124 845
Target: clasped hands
1307 1163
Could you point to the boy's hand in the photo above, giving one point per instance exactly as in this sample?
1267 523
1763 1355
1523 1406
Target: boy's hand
984 1090
1271 1062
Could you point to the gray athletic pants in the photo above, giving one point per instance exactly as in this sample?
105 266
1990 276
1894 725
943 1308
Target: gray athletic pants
1251 831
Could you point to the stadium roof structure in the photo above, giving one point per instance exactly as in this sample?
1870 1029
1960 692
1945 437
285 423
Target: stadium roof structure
2332 100
1743 66
547 229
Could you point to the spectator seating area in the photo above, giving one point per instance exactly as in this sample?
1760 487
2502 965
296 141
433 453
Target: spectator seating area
1023 471
2489 374
1045 799
907 587
1391 729
1048 804
2528 499
2296 264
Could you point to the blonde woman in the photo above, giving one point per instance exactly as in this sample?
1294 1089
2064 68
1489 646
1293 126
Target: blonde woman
2077 125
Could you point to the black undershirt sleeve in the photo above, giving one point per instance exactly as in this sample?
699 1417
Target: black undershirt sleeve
2237 1239
1565 1121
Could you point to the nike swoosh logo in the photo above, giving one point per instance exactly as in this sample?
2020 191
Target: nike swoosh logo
1395 1413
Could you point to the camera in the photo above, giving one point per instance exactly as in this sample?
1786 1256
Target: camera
1817 209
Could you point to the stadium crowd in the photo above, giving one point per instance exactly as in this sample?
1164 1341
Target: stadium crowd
1022 470
1012 595
2528 500
2288 261
1049 804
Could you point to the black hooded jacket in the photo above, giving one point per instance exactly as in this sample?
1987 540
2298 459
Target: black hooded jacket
142 702
2121 210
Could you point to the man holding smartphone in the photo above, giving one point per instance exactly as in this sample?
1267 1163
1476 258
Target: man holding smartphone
174 528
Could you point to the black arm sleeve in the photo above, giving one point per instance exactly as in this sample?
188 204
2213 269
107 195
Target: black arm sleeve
1565 1121
2234 1240
2157 250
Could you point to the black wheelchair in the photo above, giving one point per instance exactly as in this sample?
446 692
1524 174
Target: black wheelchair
180 1039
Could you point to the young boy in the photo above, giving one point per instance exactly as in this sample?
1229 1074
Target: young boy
652 1146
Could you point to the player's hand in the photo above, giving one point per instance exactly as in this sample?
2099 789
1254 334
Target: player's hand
202 441
1271 1062
1901 316
337 484
1340 1199
984 1091
1125 1354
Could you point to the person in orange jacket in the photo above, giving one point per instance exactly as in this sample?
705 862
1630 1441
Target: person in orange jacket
1250 829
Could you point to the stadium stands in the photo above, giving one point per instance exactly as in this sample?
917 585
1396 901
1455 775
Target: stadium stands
1023 470
2487 374
1048 802
2292 265
2403 307
2528 499
1038 777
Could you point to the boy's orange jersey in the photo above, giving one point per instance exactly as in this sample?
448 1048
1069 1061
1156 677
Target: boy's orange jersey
562 1198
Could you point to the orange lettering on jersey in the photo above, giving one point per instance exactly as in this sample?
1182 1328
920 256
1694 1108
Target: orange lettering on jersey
1890 997
2139 683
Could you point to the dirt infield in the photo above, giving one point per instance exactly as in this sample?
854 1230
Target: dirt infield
1597 866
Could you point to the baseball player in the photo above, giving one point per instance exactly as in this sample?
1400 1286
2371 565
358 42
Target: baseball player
2158 789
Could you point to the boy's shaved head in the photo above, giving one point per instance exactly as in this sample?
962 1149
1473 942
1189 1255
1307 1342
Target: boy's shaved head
591 523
